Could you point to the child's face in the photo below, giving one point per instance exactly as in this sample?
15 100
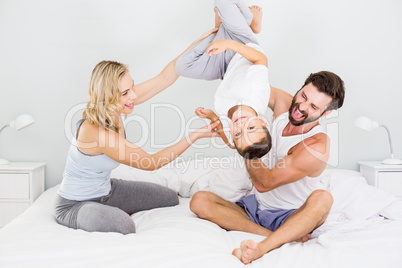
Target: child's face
247 130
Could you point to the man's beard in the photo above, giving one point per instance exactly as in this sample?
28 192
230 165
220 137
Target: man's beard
306 119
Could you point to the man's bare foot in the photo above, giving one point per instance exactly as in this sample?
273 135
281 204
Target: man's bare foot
257 18
218 20
248 251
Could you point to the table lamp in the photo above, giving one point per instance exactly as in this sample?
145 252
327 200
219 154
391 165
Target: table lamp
19 123
369 125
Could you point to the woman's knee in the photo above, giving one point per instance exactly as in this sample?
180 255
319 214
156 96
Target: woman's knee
95 217
171 198
125 226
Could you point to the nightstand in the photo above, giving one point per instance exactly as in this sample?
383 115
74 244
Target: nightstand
386 177
20 184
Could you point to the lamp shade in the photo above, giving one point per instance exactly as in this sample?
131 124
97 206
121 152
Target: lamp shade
22 121
19 123
366 123
369 125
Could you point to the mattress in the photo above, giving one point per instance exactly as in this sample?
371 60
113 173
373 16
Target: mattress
176 237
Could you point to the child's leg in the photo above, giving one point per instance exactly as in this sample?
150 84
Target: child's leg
236 18
218 20
233 18
257 19
195 63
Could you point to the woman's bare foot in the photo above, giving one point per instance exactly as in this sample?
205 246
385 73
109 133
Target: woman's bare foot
248 251
218 20
257 18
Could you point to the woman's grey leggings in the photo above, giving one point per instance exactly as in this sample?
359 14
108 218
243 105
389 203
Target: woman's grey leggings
236 19
111 213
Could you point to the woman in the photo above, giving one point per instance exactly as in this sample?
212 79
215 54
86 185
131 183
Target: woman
88 199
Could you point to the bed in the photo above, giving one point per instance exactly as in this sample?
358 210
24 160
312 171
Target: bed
353 236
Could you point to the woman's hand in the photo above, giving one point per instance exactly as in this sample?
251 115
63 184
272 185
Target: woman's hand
208 131
206 34
218 46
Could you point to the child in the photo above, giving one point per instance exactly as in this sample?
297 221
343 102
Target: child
244 92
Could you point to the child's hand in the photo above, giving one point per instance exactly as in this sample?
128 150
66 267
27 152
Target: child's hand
217 46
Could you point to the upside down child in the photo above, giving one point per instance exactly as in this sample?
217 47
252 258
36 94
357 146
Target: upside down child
231 53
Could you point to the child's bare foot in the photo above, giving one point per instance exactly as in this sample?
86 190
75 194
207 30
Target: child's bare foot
257 18
218 20
204 113
248 251
200 112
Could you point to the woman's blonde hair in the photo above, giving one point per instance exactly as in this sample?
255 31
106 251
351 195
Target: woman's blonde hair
104 94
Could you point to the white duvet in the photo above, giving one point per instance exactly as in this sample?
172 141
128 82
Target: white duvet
353 236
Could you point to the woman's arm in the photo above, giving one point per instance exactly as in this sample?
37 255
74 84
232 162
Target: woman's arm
167 77
251 54
121 150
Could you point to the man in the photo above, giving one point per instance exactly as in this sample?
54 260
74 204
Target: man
289 201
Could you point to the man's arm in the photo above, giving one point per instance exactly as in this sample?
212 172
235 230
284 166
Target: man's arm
164 79
308 158
279 101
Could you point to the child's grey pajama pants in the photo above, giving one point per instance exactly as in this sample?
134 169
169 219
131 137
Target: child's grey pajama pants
195 63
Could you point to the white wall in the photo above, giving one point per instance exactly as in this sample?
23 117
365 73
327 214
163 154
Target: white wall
49 48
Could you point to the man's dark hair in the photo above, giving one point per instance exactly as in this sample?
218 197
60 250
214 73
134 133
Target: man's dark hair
330 84
258 149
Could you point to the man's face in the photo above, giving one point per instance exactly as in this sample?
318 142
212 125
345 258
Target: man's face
247 130
308 105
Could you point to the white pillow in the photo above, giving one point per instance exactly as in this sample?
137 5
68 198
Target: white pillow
164 176
227 176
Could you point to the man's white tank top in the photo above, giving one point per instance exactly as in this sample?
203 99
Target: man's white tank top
292 195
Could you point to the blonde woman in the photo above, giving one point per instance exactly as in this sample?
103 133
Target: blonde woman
88 198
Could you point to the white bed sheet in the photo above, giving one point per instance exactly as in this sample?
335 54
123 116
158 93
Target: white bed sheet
175 237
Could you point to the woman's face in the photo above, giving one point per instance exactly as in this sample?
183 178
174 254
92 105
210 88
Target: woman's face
128 95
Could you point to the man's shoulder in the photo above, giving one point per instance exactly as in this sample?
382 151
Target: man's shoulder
318 143
317 138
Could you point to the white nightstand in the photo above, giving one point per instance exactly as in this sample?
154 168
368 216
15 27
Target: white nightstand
20 184
386 177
